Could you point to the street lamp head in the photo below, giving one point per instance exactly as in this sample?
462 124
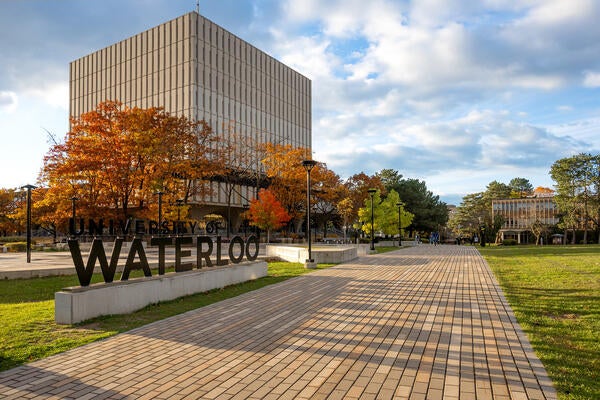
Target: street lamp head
179 202
308 164
74 198
372 191
400 204
29 187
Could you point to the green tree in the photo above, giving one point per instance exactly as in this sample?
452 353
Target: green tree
520 187
576 180
595 197
388 223
475 211
429 212
385 214
364 214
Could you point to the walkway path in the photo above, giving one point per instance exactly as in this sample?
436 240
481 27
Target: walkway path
420 323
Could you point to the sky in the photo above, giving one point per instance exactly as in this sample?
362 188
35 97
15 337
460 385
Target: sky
457 93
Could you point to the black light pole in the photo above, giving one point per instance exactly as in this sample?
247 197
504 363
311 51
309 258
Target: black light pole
245 219
74 213
179 203
308 166
29 188
160 194
400 204
73 200
482 241
372 193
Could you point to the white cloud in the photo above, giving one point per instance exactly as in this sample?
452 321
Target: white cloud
8 101
591 79
564 108
54 94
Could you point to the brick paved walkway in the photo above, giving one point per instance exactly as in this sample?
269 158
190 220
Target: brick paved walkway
420 323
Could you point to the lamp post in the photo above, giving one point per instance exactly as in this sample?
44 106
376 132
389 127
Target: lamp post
372 193
482 241
73 210
74 215
29 188
308 166
245 219
400 205
179 203
160 194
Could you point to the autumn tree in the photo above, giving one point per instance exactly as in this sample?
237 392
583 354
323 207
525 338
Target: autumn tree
345 210
356 188
327 191
283 167
115 158
542 191
240 157
266 212
8 211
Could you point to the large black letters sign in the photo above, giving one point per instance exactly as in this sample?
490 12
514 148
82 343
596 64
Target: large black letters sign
136 251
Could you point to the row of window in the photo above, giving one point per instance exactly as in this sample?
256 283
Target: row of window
191 97
526 223
264 98
155 63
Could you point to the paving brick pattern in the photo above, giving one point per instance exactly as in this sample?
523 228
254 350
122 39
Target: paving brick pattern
420 323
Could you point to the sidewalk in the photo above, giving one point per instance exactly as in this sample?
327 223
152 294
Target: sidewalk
420 323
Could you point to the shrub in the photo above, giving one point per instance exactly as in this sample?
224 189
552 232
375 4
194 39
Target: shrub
12 239
16 247
509 242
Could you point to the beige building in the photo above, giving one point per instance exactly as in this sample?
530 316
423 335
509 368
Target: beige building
520 214
193 67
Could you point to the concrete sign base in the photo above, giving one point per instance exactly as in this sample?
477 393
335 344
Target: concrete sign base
76 304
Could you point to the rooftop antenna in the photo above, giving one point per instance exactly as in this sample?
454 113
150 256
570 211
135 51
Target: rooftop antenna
198 6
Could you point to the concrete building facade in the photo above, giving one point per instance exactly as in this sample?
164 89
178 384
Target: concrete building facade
195 68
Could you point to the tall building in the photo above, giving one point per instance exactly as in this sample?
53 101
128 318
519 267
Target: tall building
195 68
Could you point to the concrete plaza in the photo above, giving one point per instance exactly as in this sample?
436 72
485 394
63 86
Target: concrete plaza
419 323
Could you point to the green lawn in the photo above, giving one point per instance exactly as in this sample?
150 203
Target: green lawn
28 330
555 294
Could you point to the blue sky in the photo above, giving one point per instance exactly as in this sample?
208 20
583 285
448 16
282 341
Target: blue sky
455 92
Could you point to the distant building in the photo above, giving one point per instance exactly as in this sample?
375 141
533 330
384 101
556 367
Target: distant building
195 68
520 214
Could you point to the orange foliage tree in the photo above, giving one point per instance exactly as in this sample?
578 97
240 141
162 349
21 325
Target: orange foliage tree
115 158
357 187
9 206
267 213
240 156
328 191
283 167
